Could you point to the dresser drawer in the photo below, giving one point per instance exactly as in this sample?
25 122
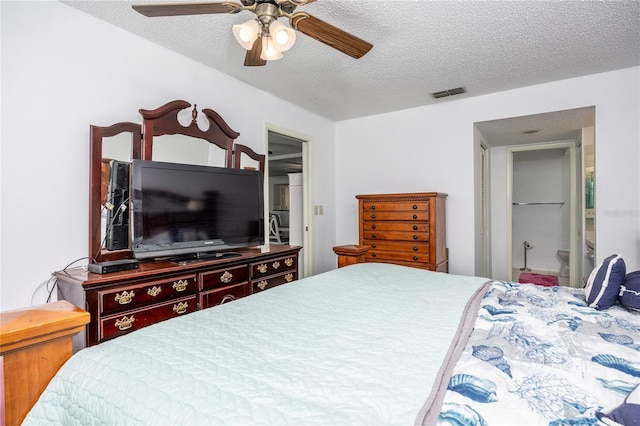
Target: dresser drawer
396 226
418 216
384 255
123 323
274 281
390 206
395 235
152 292
223 295
275 266
224 277
407 247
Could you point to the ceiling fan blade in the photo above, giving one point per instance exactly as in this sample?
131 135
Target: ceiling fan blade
174 9
252 58
330 35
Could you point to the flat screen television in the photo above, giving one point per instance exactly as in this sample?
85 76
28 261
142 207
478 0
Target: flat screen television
192 211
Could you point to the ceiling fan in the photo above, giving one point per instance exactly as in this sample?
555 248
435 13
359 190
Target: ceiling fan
264 37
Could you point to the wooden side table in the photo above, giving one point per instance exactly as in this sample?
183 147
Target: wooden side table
350 254
34 343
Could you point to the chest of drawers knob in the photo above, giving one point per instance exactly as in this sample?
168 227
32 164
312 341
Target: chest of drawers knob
226 277
180 285
180 308
415 216
154 291
125 297
125 323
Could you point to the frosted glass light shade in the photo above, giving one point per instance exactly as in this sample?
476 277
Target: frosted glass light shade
283 36
246 33
270 52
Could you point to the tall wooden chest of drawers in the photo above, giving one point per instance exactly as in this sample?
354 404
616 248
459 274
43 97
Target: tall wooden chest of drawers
405 229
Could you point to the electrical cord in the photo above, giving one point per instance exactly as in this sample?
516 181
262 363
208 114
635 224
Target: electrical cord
123 207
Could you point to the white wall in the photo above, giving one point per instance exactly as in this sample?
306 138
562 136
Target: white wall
431 149
63 70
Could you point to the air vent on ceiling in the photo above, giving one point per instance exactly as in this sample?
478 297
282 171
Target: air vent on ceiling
450 92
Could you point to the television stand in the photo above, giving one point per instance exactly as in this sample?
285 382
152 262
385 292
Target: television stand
207 255
124 301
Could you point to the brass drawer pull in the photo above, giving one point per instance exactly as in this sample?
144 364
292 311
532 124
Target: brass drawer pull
180 308
263 268
288 261
288 278
227 298
262 285
154 291
125 298
180 285
276 265
125 323
226 277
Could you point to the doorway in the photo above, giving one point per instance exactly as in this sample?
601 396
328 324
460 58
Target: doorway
287 193
574 125
542 231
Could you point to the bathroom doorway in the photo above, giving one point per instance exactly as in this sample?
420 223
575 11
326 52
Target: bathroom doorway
542 202
575 125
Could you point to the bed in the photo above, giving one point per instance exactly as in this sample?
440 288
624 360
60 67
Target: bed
367 344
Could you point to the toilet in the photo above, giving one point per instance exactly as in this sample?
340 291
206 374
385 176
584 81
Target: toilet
564 266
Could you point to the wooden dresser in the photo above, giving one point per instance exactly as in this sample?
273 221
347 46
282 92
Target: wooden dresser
405 229
122 302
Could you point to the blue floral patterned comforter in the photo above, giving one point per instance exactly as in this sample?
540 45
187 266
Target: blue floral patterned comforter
539 355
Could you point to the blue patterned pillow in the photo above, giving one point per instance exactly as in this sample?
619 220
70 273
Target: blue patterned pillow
630 290
628 413
604 282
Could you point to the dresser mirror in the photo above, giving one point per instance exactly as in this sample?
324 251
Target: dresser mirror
175 132
109 147
187 150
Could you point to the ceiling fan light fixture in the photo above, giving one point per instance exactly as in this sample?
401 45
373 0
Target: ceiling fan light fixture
270 51
283 36
246 33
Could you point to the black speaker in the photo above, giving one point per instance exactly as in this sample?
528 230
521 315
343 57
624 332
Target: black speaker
118 200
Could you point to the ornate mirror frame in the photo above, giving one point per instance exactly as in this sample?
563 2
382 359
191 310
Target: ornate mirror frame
98 175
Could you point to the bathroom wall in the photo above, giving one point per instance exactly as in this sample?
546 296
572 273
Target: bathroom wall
540 176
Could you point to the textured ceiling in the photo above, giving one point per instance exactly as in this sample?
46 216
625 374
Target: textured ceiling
420 47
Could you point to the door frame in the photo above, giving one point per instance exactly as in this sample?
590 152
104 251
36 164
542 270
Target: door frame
573 232
307 191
